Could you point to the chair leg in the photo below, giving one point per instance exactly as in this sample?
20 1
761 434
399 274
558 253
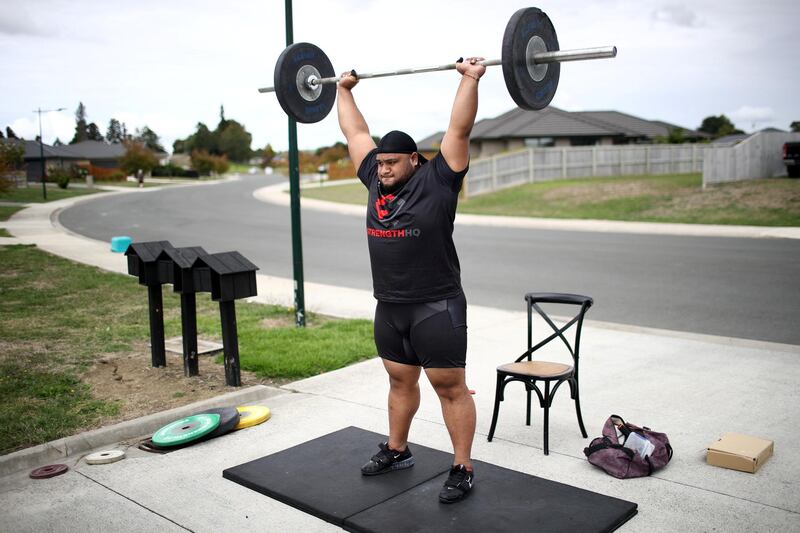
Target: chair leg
578 409
528 406
546 417
498 397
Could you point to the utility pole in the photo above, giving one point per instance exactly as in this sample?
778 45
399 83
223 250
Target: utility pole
41 147
294 199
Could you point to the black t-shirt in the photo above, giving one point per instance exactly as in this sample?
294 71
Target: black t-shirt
410 233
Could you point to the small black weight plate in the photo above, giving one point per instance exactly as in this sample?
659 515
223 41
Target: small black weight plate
228 419
45 472
295 64
531 86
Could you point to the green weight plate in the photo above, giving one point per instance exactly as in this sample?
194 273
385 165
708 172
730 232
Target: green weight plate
531 86
186 430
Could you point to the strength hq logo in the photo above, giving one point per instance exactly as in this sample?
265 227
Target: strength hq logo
393 233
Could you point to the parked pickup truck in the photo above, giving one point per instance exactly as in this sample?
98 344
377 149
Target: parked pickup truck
791 158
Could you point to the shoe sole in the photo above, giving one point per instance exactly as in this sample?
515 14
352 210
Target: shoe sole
400 465
461 498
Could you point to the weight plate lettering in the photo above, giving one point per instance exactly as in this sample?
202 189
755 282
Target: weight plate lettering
186 430
296 64
531 85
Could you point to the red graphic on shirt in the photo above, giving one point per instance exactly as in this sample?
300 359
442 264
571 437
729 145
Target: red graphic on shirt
380 202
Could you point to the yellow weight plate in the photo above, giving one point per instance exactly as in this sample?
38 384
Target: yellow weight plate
252 415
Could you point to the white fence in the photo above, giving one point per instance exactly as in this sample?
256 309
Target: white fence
547 164
758 156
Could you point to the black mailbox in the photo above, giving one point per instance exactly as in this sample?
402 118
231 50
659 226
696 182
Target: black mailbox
175 265
179 261
230 276
143 262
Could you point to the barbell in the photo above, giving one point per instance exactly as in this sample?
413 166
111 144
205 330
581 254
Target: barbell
304 79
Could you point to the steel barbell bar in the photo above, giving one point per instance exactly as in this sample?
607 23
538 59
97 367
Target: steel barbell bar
304 78
540 58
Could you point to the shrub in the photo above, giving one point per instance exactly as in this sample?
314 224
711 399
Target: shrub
205 163
63 175
137 156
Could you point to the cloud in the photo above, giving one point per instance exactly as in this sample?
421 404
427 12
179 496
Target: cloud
17 21
677 15
752 116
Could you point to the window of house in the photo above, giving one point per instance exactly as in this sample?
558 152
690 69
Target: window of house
539 141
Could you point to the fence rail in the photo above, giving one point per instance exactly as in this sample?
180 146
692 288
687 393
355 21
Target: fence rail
758 156
533 165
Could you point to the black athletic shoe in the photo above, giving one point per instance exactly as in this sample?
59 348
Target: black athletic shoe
387 460
458 484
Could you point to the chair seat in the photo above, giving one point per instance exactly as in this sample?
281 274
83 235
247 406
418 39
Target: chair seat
540 369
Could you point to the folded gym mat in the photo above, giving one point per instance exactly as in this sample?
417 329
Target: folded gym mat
322 477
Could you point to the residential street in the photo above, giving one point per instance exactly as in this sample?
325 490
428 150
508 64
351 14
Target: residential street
737 287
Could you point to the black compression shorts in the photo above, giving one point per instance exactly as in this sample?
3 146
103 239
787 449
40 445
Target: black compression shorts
431 334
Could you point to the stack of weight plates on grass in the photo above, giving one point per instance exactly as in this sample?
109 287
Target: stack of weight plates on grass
203 426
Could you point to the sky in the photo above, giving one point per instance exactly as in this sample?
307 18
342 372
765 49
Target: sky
169 65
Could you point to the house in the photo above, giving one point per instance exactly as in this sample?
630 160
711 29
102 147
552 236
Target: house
97 157
552 126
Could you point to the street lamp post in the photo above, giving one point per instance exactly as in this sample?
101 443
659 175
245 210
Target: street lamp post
41 146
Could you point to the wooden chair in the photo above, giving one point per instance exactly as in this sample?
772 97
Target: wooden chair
529 371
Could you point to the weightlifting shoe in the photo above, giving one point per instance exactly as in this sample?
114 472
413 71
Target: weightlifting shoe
458 484
387 460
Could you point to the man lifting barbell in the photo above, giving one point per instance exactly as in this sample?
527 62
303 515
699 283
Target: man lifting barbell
420 317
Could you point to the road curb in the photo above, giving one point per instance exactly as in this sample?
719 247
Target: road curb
58 450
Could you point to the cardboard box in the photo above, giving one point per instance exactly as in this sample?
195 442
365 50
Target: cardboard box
739 452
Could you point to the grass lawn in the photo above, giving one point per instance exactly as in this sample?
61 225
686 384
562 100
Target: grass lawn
59 317
7 210
671 198
4 232
33 194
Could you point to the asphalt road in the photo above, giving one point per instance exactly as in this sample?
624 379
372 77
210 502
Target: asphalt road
744 288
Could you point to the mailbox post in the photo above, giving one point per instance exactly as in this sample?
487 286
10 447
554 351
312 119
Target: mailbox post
179 261
143 262
230 276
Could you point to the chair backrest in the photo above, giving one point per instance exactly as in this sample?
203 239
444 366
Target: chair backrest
533 299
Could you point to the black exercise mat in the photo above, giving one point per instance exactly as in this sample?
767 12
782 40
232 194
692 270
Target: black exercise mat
502 500
322 477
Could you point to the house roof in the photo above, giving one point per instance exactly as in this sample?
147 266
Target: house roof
555 122
431 143
95 150
227 263
33 150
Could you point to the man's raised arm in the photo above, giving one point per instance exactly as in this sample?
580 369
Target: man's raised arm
455 143
351 121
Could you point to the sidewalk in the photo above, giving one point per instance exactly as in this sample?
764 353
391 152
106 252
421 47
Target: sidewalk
693 387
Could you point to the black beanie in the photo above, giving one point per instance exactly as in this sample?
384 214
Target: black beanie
397 142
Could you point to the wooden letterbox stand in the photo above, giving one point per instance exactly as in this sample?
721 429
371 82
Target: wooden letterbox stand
231 277
179 261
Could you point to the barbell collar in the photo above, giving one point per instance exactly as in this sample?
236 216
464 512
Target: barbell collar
557 56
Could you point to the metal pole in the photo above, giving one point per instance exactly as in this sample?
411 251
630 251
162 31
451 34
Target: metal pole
294 195
41 155
557 56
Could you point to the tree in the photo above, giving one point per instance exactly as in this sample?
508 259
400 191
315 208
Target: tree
81 128
149 138
11 158
267 154
718 126
10 133
234 142
201 139
93 133
58 142
114 133
1 135
137 156
795 126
